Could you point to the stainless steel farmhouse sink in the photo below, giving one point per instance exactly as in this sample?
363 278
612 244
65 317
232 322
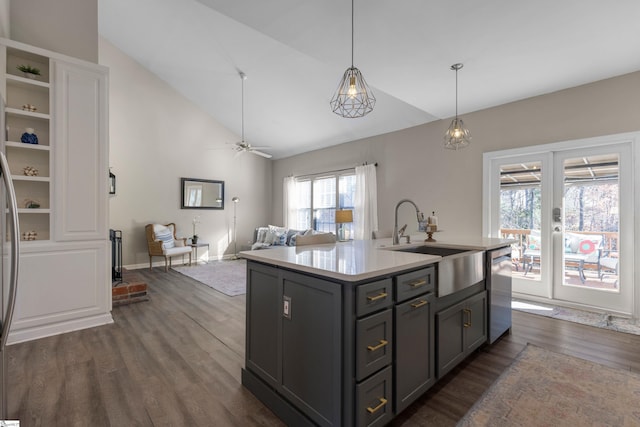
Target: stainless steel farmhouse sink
458 269
433 250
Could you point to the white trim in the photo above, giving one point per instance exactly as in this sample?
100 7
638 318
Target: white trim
44 331
51 54
632 138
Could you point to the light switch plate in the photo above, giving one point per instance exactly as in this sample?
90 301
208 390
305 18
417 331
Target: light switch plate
286 307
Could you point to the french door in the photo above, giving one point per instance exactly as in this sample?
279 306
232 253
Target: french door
592 236
569 206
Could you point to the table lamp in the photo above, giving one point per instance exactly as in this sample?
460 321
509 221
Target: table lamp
342 217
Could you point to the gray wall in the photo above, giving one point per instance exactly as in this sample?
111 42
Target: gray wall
64 26
157 137
413 164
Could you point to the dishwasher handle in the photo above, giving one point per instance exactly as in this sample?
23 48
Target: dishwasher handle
501 259
499 253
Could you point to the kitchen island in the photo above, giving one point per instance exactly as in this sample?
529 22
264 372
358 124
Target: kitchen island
352 333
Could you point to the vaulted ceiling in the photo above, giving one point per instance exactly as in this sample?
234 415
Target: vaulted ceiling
294 53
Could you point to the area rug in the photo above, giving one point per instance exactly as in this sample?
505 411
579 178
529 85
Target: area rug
228 277
600 320
543 388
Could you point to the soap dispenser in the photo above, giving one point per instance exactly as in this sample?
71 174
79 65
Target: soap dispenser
432 221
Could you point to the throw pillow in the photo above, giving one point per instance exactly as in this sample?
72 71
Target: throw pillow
279 235
534 242
165 235
261 234
275 239
586 247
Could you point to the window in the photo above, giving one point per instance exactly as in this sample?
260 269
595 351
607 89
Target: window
318 197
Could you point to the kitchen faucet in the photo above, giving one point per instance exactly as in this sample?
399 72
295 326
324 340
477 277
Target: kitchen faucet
419 216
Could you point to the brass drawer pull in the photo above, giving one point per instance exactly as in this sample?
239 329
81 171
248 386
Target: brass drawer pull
417 283
377 297
419 304
383 402
467 324
379 346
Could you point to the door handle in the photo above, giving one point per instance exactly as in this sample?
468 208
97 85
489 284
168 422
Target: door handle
418 283
383 402
419 303
377 347
377 297
467 323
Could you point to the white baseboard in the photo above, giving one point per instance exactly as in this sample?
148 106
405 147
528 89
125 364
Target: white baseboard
36 332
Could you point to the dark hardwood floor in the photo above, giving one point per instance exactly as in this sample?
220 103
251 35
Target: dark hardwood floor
175 360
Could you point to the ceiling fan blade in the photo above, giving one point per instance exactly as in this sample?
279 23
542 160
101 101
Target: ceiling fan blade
259 148
260 153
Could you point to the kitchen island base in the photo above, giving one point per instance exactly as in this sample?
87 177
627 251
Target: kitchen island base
331 345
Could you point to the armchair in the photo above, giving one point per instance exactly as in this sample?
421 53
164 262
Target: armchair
162 242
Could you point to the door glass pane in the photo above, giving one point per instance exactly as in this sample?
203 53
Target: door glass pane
324 204
520 216
591 222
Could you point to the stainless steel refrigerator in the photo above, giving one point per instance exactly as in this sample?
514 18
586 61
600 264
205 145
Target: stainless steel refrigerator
9 256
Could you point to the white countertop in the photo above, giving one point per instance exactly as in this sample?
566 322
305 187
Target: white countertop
357 260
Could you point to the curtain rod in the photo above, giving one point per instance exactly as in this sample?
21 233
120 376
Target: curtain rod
334 171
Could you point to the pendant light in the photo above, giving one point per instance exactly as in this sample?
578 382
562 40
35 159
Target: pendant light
353 98
457 136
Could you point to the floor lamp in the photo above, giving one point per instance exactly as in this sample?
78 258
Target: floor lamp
235 201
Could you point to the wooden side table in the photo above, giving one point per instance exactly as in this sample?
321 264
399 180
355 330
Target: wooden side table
195 247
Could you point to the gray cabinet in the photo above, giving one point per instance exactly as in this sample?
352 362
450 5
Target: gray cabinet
330 353
461 328
264 295
374 343
414 339
294 339
373 400
312 347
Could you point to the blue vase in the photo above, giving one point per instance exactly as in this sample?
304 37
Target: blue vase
29 137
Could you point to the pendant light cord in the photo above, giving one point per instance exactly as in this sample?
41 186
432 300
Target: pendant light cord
352 23
456 93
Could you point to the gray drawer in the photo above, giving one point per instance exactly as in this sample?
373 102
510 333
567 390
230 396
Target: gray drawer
373 400
374 343
412 284
373 297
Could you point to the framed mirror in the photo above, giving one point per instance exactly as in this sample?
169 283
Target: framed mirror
202 194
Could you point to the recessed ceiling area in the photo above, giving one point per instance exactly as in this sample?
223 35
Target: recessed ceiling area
295 52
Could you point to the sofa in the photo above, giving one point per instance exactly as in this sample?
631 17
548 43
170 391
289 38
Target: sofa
273 235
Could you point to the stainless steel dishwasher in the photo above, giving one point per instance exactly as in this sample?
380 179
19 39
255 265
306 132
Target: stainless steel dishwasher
499 292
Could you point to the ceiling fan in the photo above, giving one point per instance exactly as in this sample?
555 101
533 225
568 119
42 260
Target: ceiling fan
242 146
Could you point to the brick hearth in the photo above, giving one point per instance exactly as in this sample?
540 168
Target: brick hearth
132 289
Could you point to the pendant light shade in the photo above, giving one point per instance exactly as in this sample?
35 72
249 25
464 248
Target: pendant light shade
457 136
353 98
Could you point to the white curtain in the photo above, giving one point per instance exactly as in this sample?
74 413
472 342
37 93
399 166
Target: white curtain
366 202
289 207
